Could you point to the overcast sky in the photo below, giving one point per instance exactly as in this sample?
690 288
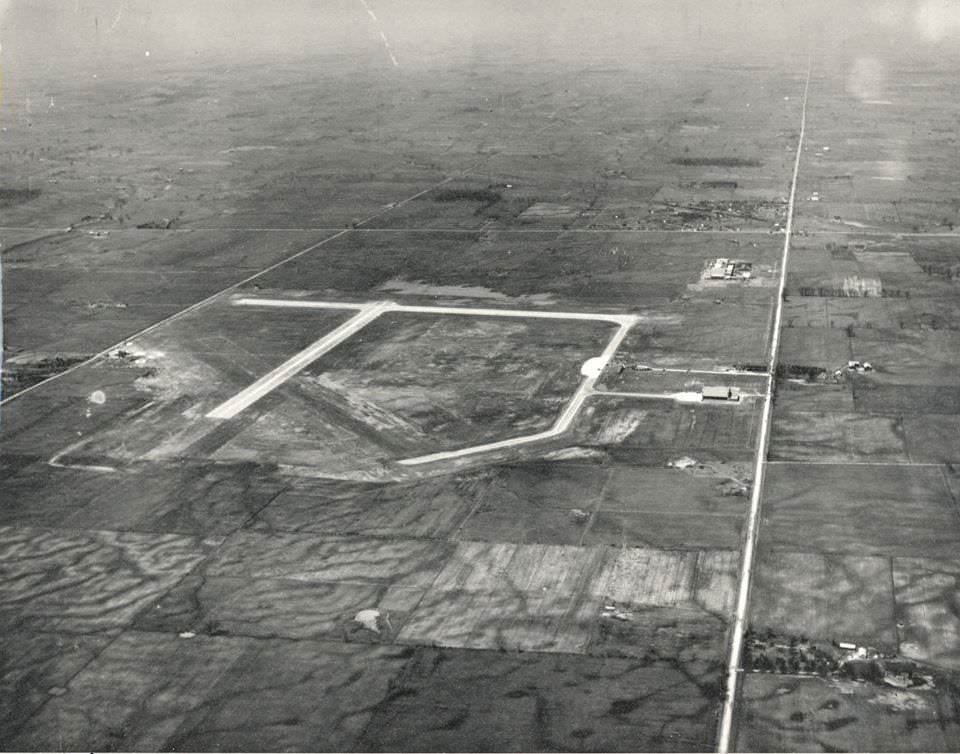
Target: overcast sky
50 37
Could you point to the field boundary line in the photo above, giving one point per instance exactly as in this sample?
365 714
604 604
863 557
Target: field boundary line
857 463
732 685
720 372
679 396
453 229
233 286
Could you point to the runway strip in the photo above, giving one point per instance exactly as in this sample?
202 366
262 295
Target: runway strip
272 380
619 319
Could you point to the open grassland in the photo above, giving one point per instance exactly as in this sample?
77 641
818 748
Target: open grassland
837 597
446 699
927 593
811 714
884 510
665 424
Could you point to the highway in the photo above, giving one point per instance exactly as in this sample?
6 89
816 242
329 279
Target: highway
746 564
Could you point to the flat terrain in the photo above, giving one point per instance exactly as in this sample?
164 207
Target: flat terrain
860 517
352 373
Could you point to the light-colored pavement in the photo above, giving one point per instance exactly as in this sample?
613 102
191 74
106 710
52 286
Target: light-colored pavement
746 565
284 303
562 424
273 379
619 319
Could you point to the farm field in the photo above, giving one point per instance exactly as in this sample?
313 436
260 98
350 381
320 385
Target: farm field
860 516
810 714
863 509
222 488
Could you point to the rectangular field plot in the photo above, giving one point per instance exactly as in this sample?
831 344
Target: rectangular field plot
825 597
811 714
669 578
702 334
544 502
794 398
933 438
455 700
874 397
897 511
568 270
867 314
551 598
32 663
702 507
837 437
875 313
56 580
890 434
804 312
428 508
679 427
579 503
197 499
503 596
926 592
711 488
300 586
669 530
814 346
216 693
914 357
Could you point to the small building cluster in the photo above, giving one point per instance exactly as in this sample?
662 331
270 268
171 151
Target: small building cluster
730 269
853 366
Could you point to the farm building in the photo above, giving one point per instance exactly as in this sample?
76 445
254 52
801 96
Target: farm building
730 269
720 393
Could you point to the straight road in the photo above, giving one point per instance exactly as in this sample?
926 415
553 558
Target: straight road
746 566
